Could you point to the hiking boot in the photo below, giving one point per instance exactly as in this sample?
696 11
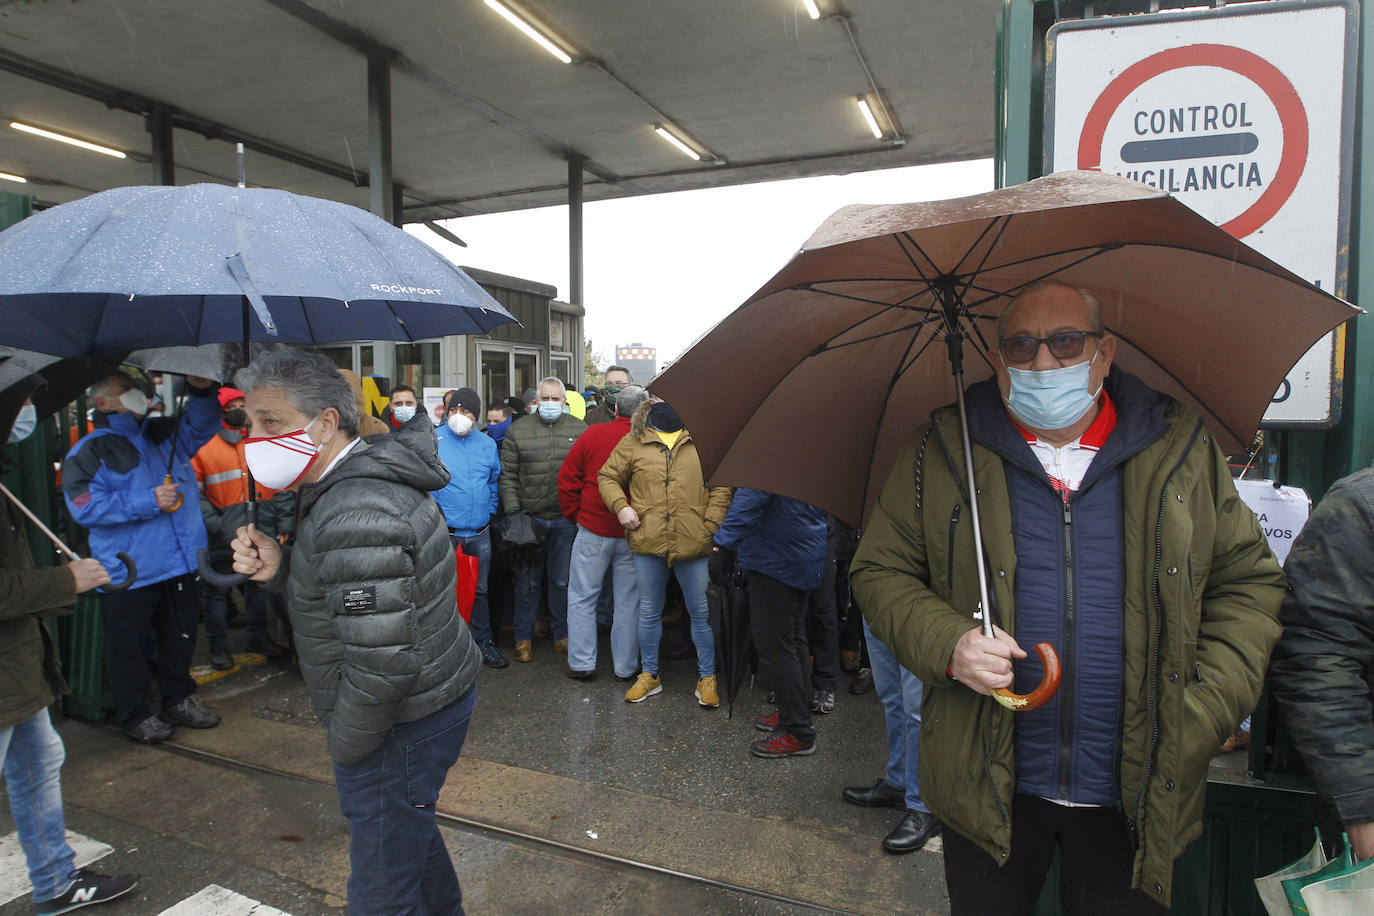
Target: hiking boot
823 701
524 650
781 744
645 686
88 888
221 660
191 714
151 730
863 683
542 630
768 723
561 645
491 656
706 692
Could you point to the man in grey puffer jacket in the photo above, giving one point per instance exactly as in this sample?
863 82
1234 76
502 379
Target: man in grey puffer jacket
371 583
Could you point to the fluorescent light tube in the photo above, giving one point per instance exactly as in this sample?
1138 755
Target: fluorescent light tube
811 9
868 116
16 178
534 34
63 138
666 135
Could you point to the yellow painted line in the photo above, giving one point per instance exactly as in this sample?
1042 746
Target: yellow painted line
204 674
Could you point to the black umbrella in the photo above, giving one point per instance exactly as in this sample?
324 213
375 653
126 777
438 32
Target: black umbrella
728 608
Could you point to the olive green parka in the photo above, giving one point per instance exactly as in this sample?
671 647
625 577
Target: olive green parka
678 513
1200 597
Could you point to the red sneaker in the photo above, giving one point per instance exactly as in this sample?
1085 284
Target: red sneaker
781 744
766 723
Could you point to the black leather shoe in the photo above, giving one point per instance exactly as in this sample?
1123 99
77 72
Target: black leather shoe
879 795
151 730
221 660
191 714
911 834
579 675
863 683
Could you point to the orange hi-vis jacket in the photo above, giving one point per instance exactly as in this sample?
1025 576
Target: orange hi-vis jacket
222 471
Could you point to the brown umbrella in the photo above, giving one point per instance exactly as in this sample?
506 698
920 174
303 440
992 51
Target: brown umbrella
846 345
862 334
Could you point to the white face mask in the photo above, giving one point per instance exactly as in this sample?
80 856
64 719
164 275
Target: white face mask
403 414
135 400
280 461
460 424
23 424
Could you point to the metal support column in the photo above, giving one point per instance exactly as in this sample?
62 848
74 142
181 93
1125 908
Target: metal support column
160 127
575 162
383 201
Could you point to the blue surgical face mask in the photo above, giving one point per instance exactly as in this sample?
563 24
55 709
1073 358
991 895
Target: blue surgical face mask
550 410
23 424
1052 398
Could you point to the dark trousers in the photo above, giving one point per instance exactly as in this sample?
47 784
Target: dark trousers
777 616
170 609
1095 860
399 862
823 625
215 601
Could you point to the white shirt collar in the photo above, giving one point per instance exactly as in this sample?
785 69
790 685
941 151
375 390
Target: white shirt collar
340 457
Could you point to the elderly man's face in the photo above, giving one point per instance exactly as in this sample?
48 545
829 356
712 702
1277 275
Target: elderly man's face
549 392
1042 314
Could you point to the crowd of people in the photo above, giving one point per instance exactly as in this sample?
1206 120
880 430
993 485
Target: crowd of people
1111 526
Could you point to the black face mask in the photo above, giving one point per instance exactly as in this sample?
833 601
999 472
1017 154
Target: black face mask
237 418
664 418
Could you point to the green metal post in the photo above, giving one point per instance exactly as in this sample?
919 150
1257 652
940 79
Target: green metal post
1016 133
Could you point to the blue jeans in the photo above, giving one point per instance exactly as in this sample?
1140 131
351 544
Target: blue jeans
479 546
397 855
554 555
32 754
900 692
593 556
652 574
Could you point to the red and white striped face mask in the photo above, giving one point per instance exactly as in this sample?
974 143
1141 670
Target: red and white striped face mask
280 461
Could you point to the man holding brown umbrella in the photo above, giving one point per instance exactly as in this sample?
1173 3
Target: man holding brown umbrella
1113 532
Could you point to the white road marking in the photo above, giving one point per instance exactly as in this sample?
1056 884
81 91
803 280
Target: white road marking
14 870
219 901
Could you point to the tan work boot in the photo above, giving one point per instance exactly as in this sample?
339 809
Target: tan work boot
524 651
645 686
706 692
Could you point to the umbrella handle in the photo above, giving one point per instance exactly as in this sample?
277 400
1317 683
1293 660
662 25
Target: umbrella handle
214 576
128 562
1049 684
176 505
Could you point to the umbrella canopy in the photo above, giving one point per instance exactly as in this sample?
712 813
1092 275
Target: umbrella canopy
847 341
141 267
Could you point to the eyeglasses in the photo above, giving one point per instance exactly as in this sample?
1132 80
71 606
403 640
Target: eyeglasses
1063 345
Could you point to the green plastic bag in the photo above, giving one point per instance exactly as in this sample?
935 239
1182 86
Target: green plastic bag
1348 894
1342 863
1270 887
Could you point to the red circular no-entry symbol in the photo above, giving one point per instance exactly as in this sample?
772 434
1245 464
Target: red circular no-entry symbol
1292 116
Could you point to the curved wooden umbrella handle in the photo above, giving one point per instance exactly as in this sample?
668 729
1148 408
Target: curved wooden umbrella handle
1041 695
176 505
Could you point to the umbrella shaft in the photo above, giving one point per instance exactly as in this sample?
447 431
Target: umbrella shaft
33 518
985 606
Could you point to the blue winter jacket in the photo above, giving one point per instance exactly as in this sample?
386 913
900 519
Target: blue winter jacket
776 535
469 500
108 481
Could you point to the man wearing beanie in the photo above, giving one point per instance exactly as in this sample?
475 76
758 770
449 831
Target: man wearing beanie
222 475
469 501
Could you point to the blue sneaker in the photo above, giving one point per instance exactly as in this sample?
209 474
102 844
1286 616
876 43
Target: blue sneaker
88 888
491 656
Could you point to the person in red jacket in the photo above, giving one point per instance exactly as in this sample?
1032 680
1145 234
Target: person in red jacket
599 545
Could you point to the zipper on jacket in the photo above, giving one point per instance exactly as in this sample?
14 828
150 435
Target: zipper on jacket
987 762
1066 648
1153 675
953 524
667 506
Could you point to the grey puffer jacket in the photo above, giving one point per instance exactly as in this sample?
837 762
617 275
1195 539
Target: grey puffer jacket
531 457
371 587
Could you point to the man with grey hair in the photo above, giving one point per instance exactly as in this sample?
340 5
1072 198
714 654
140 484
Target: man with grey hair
1113 532
130 481
599 546
617 377
531 455
370 582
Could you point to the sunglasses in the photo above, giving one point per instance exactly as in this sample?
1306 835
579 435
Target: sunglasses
1063 345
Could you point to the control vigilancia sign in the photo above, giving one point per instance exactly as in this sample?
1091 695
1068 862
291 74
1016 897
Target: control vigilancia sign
1245 113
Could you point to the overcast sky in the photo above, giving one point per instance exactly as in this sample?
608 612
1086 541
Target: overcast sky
662 269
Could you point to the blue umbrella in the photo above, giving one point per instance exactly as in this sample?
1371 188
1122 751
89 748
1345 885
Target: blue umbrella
139 267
